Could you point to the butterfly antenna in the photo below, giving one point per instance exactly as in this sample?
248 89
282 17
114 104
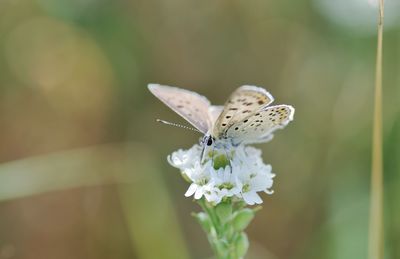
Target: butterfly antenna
178 125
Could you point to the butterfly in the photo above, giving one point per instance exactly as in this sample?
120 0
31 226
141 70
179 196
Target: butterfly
246 117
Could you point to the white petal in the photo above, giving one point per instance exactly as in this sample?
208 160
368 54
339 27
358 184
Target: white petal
238 183
191 190
259 185
199 193
214 197
269 191
232 192
248 198
223 192
257 198
227 173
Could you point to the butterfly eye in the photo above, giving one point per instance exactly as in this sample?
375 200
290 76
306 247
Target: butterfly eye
209 141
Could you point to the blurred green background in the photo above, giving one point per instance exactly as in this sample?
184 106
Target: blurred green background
83 170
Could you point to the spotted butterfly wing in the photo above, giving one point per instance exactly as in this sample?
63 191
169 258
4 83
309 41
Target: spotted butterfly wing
259 126
192 106
242 103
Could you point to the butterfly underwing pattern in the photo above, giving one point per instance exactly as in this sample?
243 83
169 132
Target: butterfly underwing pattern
259 125
242 103
245 118
192 106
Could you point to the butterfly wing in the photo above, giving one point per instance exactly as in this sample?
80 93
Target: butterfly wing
192 106
214 112
242 103
259 126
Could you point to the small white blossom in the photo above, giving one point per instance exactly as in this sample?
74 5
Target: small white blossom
243 176
200 180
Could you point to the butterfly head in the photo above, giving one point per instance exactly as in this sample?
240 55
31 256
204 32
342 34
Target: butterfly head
208 140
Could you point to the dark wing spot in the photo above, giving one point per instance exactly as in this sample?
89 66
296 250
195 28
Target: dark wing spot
236 128
245 121
260 102
228 117
233 109
246 111
223 124
179 106
257 113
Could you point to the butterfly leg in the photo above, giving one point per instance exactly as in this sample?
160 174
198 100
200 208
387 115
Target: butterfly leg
212 155
202 155
205 153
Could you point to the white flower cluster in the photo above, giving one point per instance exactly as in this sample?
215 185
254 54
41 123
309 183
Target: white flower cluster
242 176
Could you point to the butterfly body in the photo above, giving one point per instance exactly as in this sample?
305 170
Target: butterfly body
245 118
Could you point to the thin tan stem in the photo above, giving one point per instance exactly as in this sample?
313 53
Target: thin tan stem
376 239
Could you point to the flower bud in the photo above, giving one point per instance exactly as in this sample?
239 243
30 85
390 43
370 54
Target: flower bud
222 248
241 245
242 219
204 221
220 161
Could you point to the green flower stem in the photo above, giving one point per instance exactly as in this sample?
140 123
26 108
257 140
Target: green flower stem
214 220
225 224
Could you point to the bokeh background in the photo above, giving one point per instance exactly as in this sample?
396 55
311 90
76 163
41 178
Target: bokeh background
83 170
